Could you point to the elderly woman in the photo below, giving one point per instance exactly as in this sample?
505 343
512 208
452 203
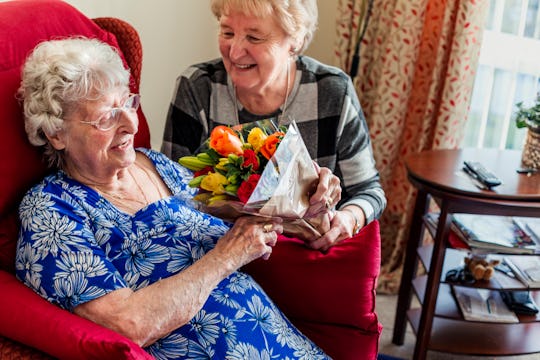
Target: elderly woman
262 74
111 235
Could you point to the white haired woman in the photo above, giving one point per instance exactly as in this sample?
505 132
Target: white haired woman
262 74
111 236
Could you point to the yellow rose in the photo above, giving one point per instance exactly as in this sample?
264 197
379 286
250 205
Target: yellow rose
256 138
215 183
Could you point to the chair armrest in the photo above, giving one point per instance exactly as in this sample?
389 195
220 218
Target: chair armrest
31 320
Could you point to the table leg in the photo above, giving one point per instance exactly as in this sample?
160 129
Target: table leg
432 287
409 267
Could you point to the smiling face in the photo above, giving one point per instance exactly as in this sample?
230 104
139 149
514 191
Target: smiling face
94 154
255 52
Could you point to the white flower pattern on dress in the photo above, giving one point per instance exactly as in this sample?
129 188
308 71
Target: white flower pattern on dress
75 246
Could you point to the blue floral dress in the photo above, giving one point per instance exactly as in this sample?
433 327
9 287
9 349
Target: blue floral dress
75 246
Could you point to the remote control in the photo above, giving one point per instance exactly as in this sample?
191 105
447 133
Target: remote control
483 175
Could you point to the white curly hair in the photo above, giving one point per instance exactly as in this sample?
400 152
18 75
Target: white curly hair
59 74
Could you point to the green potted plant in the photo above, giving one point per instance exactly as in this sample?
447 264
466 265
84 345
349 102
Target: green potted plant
529 117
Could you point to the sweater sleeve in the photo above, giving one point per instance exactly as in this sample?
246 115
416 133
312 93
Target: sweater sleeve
359 176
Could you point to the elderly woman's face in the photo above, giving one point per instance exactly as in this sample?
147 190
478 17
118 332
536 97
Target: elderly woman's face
255 50
94 151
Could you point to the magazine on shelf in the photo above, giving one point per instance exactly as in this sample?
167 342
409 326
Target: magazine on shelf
431 221
526 269
483 305
494 233
530 225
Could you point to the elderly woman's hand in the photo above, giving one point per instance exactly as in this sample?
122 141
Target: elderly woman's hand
342 225
250 238
327 193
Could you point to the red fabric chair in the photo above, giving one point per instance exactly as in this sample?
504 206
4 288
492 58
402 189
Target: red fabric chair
30 327
330 297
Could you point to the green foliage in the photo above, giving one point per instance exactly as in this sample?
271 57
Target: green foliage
528 116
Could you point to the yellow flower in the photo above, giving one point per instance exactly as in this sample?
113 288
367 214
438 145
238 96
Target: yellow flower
256 138
202 197
215 183
221 164
215 198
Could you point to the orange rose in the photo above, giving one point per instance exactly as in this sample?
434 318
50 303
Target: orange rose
271 143
225 141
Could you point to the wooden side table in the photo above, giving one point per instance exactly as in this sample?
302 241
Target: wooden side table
438 325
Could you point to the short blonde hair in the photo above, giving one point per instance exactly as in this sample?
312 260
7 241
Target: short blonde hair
59 74
298 18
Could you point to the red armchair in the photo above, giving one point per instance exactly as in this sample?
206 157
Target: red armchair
330 297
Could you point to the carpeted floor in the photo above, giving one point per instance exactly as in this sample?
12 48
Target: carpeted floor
387 357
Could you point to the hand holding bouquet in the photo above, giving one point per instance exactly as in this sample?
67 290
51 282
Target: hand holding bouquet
256 169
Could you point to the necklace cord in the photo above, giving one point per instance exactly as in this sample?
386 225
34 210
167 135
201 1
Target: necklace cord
236 109
121 200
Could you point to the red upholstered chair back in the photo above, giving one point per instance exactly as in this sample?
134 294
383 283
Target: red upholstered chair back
21 163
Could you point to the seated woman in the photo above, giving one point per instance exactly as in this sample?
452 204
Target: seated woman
111 235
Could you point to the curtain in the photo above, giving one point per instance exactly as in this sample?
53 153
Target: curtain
414 79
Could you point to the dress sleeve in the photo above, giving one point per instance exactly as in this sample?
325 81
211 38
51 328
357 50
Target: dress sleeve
58 255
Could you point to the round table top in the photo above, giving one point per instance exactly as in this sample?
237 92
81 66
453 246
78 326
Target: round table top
442 169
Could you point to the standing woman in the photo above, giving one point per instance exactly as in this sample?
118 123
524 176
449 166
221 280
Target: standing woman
262 74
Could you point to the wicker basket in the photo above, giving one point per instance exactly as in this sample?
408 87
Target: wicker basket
530 157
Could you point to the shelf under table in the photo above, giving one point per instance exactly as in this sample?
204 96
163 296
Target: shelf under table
477 338
451 333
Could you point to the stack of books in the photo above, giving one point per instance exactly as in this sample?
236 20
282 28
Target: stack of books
503 234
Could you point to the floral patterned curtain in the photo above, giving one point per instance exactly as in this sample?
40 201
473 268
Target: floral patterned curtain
415 76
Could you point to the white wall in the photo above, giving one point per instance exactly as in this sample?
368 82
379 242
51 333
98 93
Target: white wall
174 35
178 33
322 47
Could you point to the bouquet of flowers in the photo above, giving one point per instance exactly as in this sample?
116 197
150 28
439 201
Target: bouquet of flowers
257 169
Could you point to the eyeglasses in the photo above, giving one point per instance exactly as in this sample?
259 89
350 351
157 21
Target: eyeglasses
460 275
109 120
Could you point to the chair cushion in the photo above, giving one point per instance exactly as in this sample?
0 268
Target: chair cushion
347 274
30 319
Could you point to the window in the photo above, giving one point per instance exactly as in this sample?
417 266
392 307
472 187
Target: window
508 72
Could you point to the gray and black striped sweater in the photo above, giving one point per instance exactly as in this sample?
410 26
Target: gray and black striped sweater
323 103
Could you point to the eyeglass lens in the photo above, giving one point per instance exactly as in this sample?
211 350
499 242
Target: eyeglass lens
111 118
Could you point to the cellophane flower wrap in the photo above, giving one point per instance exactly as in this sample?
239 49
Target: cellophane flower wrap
257 169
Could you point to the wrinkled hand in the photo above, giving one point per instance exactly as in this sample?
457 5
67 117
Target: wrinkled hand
336 226
251 237
327 194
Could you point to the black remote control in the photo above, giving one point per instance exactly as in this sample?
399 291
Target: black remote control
482 174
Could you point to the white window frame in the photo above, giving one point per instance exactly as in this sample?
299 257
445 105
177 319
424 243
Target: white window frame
514 54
